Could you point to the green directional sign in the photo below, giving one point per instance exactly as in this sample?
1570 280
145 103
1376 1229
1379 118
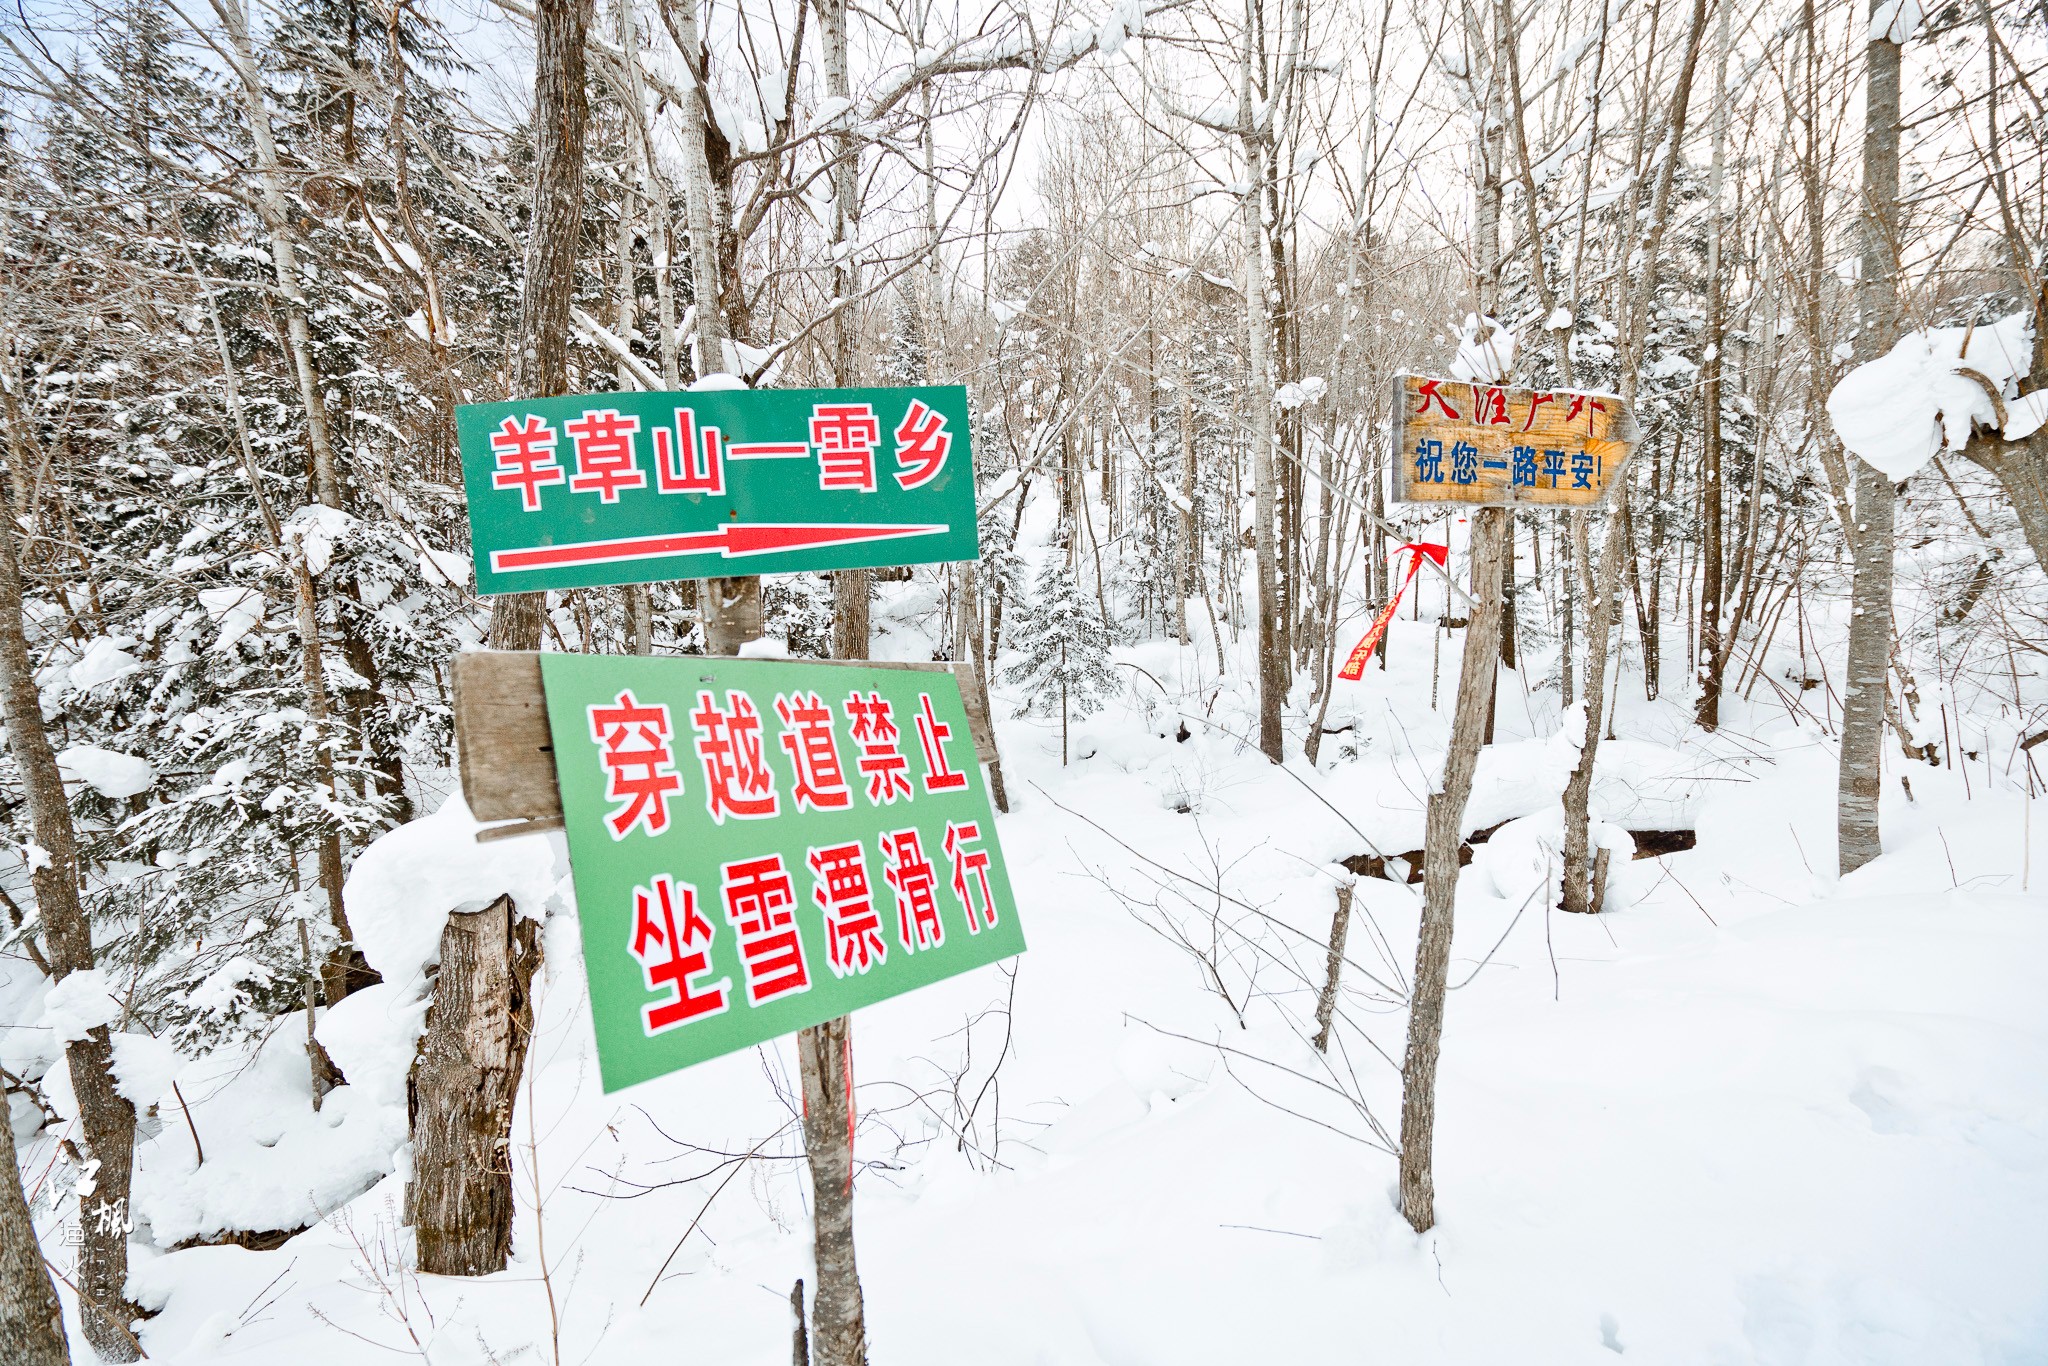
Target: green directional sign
762 845
636 487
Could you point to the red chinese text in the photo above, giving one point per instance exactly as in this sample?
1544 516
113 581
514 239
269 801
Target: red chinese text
737 780
933 733
604 454
672 940
760 901
911 876
686 461
922 443
1430 393
853 932
1489 405
886 770
640 771
846 435
970 874
525 459
807 739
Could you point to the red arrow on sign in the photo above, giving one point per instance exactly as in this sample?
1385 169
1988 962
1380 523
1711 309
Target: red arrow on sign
730 541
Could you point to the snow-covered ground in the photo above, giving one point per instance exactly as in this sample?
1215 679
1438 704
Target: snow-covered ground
1753 1113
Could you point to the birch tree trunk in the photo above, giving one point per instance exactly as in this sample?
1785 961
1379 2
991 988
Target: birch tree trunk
106 1119
637 598
700 197
1273 661
1867 680
1340 931
730 607
540 364
1443 835
31 1320
851 629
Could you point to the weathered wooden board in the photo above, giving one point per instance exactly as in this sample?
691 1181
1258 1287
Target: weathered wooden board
502 747
1488 445
507 759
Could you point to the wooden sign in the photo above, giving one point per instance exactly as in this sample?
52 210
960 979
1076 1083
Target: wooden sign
1492 446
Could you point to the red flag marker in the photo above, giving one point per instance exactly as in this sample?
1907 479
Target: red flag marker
1361 653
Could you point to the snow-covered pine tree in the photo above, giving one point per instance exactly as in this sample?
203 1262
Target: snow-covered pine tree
1060 632
904 358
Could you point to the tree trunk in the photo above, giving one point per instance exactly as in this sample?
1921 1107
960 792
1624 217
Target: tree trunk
540 362
1713 656
462 1090
1273 662
1507 594
1567 595
1440 873
274 210
2021 468
342 972
700 196
1601 616
1867 680
732 612
31 1320
106 1119
1653 599
838 1322
851 630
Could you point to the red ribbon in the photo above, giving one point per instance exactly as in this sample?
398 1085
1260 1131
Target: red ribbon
1361 653
846 1066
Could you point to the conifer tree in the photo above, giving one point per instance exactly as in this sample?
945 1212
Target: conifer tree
1065 647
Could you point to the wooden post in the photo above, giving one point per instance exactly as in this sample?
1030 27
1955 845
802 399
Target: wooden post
732 613
838 1318
800 1337
460 1095
1440 873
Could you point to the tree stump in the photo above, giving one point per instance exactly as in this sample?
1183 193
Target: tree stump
460 1095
